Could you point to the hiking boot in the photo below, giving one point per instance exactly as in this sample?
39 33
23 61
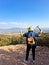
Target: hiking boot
25 61
33 61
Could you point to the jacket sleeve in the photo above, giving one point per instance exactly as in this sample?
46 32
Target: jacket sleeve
25 35
38 34
35 34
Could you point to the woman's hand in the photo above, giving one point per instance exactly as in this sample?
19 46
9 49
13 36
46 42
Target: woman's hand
40 33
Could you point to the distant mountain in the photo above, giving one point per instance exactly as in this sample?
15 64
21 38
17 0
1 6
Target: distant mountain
45 30
13 30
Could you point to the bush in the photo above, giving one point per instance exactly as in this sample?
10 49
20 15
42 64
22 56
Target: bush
43 40
12 40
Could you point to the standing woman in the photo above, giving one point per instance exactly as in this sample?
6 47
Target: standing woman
31 42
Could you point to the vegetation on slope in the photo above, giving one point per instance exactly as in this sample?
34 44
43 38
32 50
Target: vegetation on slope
13 39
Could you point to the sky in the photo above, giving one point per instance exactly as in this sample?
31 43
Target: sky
24 13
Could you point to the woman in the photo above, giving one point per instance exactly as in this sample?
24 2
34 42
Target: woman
29 44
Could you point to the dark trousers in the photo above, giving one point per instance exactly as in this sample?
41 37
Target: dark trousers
28 49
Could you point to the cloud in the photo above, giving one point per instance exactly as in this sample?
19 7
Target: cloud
13 24
22 24
3 23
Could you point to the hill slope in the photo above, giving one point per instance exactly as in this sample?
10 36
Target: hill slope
14 55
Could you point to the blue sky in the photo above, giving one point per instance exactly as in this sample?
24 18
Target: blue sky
24 13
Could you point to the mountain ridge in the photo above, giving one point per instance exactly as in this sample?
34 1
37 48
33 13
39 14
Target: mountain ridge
46 30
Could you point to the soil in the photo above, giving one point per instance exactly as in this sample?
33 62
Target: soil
15 54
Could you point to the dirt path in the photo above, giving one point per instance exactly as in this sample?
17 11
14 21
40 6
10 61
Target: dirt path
14 55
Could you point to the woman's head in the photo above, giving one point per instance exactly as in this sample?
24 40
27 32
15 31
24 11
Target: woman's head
30 29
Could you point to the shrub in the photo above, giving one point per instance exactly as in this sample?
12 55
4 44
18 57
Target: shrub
43 40
12 40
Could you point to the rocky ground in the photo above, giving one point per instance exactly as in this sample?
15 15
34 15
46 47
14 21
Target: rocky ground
15 54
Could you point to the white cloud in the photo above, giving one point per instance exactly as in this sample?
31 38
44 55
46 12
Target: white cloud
3 23
13 24
22 24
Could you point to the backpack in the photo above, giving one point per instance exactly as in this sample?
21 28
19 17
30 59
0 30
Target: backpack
31 40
